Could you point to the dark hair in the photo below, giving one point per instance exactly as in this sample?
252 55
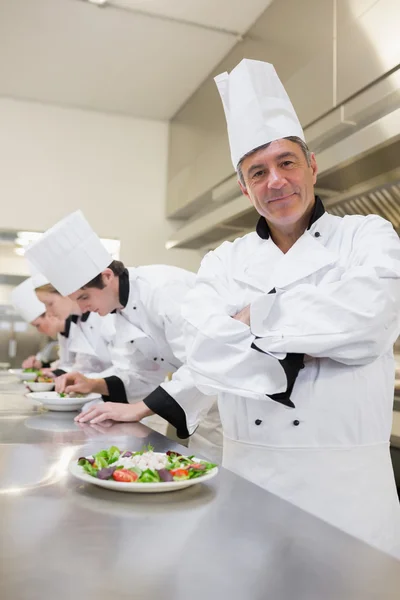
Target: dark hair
117 267
291 138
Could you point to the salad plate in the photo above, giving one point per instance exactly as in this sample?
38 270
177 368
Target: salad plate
24 374
143 471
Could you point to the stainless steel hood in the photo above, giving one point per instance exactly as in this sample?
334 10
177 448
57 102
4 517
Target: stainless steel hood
358 155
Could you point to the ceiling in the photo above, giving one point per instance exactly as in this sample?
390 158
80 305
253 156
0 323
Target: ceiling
142 58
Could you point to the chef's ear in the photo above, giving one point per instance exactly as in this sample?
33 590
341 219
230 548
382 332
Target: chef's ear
314 167
243 188
107 276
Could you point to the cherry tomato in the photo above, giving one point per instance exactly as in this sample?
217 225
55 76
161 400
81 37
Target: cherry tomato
179 472
197 467
125 475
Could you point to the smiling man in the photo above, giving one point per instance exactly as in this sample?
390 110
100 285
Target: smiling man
293 326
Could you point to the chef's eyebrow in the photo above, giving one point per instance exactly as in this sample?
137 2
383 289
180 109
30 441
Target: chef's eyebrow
279 157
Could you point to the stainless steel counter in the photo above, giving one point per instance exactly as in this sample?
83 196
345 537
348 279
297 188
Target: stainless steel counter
226 539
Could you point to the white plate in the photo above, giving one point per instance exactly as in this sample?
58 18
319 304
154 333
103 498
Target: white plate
20 373
39 386
52 401
118 486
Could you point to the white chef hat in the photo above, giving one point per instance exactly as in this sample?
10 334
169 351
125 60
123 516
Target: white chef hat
69 254
25 301
257 107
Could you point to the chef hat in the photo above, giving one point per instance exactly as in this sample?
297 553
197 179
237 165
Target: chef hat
69 254
257 107
37 278
25 301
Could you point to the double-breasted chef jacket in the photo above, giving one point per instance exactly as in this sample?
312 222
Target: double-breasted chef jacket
306 392
85 345
149 345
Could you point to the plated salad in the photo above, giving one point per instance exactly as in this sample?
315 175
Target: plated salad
40 377
145 466
71 395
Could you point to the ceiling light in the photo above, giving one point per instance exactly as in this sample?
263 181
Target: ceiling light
98 2
24 238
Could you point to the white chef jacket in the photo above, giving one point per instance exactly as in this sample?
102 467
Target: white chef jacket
85 346
45 354
149 345
313 429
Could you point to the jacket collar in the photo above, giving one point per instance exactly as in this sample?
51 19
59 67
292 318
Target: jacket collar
67 327
263 230
124 287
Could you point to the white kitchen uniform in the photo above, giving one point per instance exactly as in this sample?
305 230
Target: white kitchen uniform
46 354
148 341
334 297
149 345
86 345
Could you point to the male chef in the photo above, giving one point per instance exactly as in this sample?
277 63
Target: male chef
148 342
293 325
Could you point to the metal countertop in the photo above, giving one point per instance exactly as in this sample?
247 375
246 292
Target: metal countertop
228 538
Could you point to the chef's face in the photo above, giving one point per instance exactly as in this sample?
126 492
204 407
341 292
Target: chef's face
56 305
279 182
48 325
102 301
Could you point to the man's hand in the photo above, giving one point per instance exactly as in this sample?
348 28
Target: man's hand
74 382
31 363
48 372
243 315
115 412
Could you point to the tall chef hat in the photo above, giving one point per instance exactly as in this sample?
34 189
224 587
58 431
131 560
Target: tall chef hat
257 107
69 254
25 301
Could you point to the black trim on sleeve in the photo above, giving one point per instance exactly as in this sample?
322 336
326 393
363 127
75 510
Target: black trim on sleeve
164 405
291 364
45 365
116 390
58 372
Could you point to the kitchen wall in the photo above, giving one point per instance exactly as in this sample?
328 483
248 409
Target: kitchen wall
55 160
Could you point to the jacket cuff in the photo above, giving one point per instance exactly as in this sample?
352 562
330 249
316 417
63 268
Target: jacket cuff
116 390
291 364
164 405
58 372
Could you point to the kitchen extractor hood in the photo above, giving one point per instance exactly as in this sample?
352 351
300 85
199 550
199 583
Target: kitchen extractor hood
358 155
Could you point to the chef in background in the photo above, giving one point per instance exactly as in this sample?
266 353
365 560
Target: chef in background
85 343
148 342
293 326
27 305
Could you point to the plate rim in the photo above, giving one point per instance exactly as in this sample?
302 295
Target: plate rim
63 400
